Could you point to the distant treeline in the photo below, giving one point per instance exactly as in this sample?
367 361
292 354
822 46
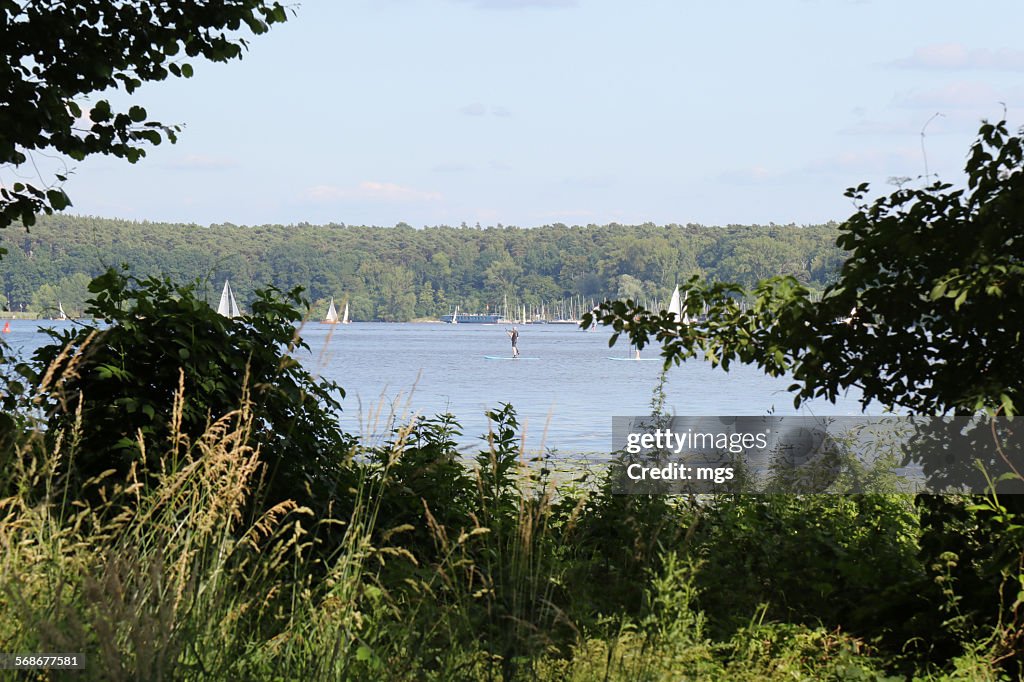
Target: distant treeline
400 273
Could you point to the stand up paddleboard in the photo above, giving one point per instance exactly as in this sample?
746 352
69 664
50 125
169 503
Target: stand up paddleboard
638 359
503 357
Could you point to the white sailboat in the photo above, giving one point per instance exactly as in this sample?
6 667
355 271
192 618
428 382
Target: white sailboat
227 306
332 314
455 315
61 314
344 316
674 305
678 308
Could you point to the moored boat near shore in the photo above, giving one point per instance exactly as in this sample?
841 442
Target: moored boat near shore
472 318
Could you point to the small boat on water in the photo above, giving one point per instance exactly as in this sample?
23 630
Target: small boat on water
677 307
228 307
472 318
344 316
674 305
332 314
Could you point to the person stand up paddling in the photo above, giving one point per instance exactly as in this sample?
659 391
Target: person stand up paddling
514 334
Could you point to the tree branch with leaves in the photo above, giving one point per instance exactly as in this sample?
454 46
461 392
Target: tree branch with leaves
54 55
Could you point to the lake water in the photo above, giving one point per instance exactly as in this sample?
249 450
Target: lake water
566 395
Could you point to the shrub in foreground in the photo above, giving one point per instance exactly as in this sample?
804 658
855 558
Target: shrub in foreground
112 385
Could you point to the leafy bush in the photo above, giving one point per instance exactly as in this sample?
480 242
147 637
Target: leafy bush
111 387
843 561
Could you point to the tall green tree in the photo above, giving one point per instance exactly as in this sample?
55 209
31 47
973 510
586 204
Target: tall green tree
560 263
45 300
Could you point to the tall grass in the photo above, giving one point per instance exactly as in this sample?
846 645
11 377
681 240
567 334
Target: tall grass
437 570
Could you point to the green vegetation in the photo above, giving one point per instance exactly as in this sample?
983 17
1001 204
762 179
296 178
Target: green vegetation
443 570
117 383
175 503
400 273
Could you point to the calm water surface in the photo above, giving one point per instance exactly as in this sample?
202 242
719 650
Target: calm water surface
566 395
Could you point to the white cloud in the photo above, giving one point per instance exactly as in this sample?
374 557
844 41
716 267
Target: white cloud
486 215
866 161
369 191
474 109
954 56
960 95
950 121
857 161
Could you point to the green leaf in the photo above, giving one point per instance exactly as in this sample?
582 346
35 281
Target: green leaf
100 112
58 199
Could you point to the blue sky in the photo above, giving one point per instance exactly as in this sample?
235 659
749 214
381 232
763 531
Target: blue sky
530 112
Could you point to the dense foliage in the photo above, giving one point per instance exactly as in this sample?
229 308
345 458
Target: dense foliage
925 316
399 273
411 562
113 385
449 569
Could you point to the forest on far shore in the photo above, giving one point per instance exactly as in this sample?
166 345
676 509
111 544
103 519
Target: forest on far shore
401 273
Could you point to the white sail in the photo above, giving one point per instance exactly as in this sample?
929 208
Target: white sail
674 306
344 317
227 306
455 316
686 315
332 314
63 315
